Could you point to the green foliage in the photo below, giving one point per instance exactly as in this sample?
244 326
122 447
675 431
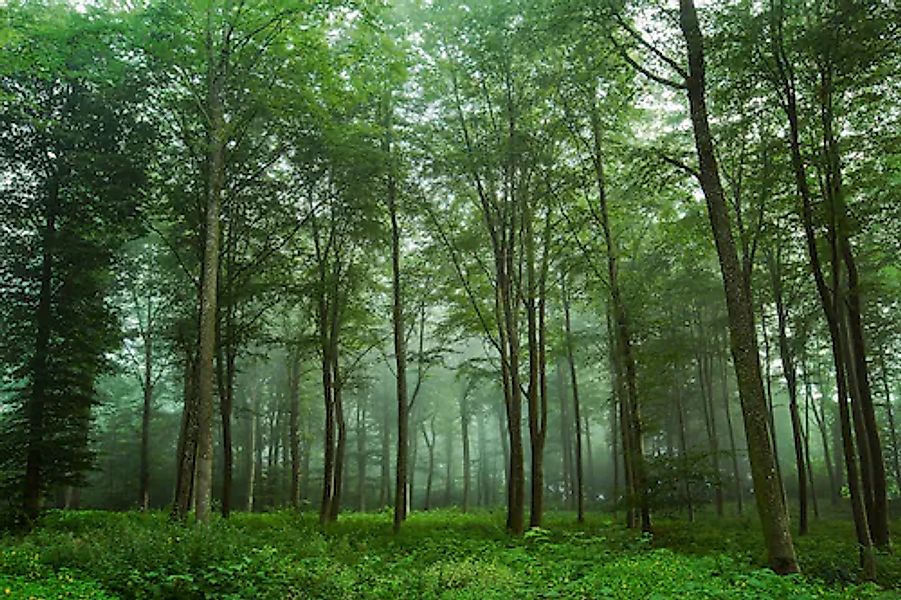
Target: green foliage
443 554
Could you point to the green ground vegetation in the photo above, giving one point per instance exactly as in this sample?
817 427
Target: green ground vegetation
439 554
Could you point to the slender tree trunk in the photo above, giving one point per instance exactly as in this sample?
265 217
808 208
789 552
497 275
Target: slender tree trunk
790 375
683 447
361 456
385 462
810 481
577 416
733 449
294 426
147 385
565 437
589 455
622 335
400 352
768 492
467 463
890 418
449 469
251 455
430 447
341 444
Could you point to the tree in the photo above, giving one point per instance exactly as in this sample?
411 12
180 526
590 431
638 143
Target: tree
76 146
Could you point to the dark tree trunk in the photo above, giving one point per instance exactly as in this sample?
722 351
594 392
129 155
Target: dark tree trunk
252 453
147 387
186 455
294 426
733 449
790 375
683 447
341 444
385 460
622 336
577 415
34 476
768 492
400 352
467 462
361 456
565 437
830 301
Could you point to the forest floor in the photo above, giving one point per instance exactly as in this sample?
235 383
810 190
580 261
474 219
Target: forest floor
439 554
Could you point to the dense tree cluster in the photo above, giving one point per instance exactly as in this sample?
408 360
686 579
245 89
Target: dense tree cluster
607 254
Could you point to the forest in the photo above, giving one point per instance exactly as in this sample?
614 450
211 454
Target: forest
450 299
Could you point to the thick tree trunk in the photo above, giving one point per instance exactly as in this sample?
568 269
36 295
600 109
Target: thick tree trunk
768 492
206 352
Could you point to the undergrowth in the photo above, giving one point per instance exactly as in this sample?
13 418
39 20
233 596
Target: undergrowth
440 554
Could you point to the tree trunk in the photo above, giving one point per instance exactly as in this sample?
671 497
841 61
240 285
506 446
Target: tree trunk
565 437
736 471
622 336
251 452
361 456
341 444
768 492
400 352
186 456
147 385
385 461
34 477
467 463
294 426
204 373
577 415
830 301
790 375
683 447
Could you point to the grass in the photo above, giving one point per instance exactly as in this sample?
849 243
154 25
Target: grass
440 554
